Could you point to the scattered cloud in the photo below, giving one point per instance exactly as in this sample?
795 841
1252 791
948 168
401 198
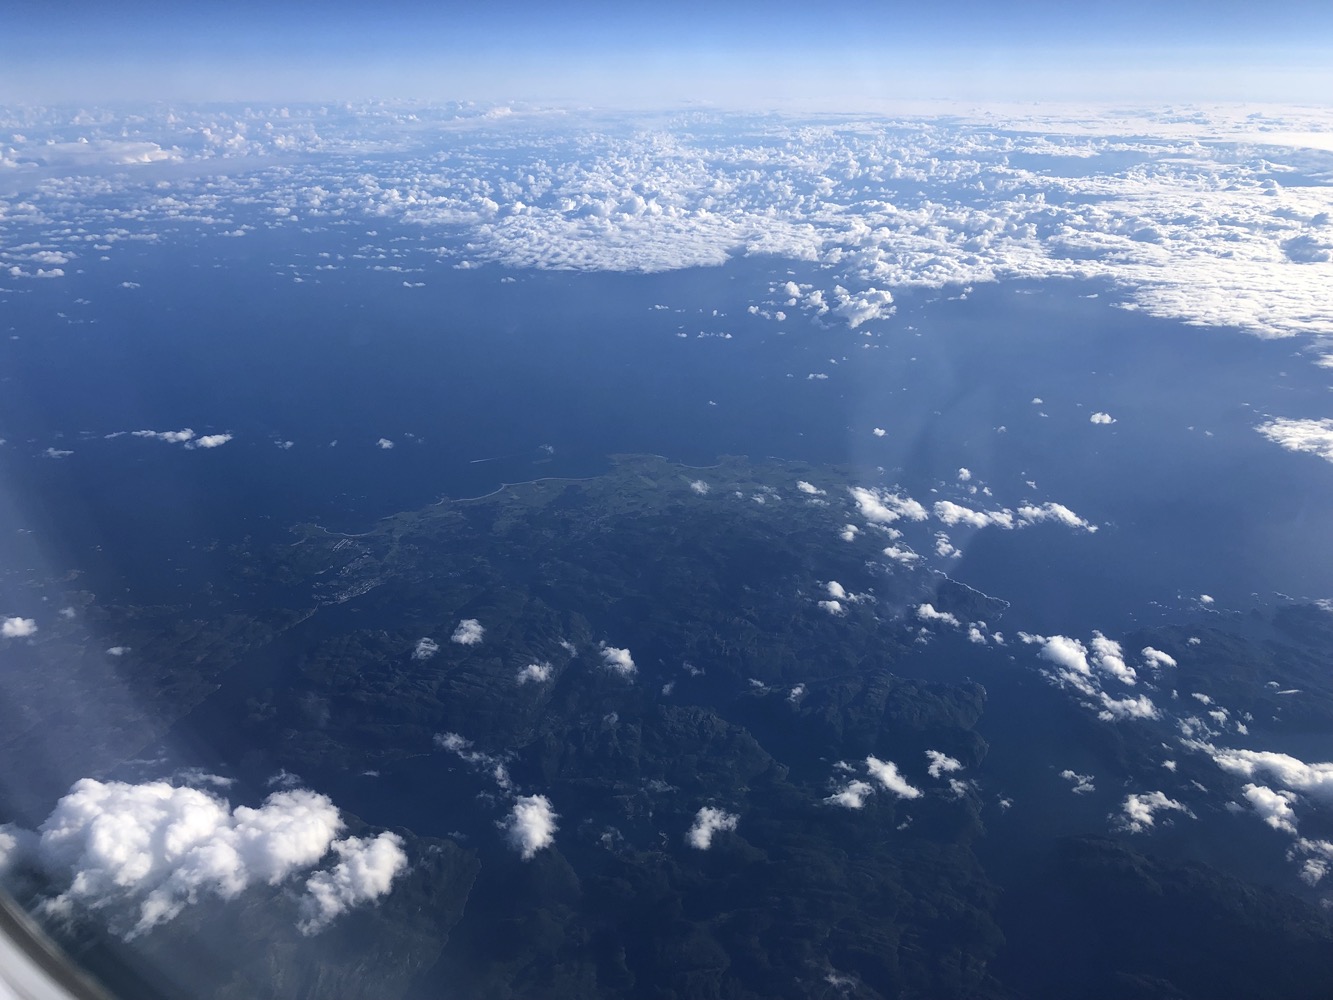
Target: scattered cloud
531 825
852 795
1139 811
1312 436
1081 784
18 628
886 773
535 673
1101 418
708 822
468 633
618 660
209 441
941 763
425 648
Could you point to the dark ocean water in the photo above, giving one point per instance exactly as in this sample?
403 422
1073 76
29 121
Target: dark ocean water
482 377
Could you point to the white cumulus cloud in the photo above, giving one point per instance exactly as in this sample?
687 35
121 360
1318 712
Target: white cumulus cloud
468 633
708 822
531 825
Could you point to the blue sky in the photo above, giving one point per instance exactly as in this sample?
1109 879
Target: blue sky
747 54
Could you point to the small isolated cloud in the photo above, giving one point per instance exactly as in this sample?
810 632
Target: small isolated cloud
1116 709
18 628
531 825
209 441
708 822
365 871
964 475
1081 783
426 647
954 514
1156 659
618 660
809 488
384 443
836 590
1101 418
852 795
886 773
1139 811
535 673
468 633
1107 655
183 436
849 532
879 432
884 507
1057 512
1313 436
902 555
833 607
941 764
1274 807
862 307
927 613
117 650
700 487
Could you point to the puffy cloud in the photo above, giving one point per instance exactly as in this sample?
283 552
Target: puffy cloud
927 613
836 590
902 555
155 847
365 871
1273 806
1101 418
425 648
1139 811
1116 709
1283 769
384 444
833 607
879 432
182 436
1056 512
531 825
964 475
810 488
862 307
941 763
708 822
1069 655
209 441
1107 655
852 795
886 773
536 673
1156 659
468 633
700 487
18 628
849 532
618 660
954 514
1082 783
884 507
1313 436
